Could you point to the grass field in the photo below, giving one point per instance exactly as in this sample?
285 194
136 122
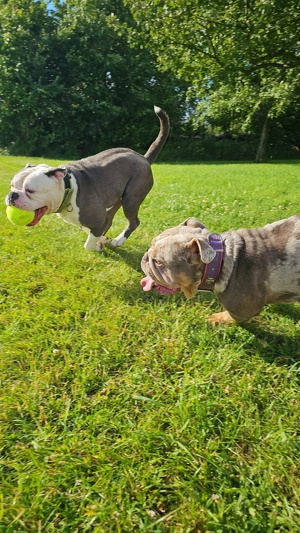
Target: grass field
126 412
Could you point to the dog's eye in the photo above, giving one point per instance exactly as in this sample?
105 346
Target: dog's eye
158 263
29 191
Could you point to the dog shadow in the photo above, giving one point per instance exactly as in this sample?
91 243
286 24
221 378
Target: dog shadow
129 256
291 311
280 348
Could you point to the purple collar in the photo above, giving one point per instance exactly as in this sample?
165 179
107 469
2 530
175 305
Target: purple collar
213 269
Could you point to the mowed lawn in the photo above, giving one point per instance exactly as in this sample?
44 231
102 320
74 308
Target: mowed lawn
124 411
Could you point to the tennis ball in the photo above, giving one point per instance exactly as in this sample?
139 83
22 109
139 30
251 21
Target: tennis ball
19 217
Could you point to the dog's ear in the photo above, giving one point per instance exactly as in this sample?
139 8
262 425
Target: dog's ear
193 223
58 172
200 249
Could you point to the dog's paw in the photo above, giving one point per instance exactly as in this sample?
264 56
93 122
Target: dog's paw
96 244
118 241
99 247
101 242
104 240
220 318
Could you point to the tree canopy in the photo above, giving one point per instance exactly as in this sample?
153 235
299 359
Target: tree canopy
79 76
240 57
70 83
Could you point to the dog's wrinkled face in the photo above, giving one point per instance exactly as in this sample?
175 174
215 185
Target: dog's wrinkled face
37 188
176 259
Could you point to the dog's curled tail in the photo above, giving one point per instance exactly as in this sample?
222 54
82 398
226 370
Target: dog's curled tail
160 140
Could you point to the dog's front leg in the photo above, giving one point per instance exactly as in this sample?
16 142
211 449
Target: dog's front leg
220 318
96 244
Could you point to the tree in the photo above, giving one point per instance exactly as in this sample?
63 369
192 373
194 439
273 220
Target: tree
25 28
241 57
70 83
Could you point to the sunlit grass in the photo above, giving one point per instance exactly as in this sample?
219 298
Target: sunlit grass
126 412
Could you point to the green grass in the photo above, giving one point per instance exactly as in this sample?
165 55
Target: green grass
126 412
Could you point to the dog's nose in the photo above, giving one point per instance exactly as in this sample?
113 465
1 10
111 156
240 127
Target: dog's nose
12 197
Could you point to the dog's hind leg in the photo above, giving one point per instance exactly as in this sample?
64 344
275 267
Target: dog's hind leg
120 239
134 194
130 208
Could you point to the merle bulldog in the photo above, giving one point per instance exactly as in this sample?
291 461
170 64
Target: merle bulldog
245 268
89 192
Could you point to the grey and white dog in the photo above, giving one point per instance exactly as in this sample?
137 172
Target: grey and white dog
89 192
251 267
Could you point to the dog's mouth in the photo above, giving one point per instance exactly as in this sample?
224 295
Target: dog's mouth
148 284
38 215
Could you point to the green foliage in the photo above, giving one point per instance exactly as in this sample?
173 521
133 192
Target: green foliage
126 412
77 77
70 84
240 58
227 43
24 36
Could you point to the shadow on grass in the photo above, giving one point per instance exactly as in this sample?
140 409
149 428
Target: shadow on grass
288 310
277 347
130 257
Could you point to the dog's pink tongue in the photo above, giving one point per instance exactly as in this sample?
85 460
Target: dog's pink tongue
147 283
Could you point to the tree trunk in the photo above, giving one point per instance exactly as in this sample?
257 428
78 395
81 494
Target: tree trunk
261 154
